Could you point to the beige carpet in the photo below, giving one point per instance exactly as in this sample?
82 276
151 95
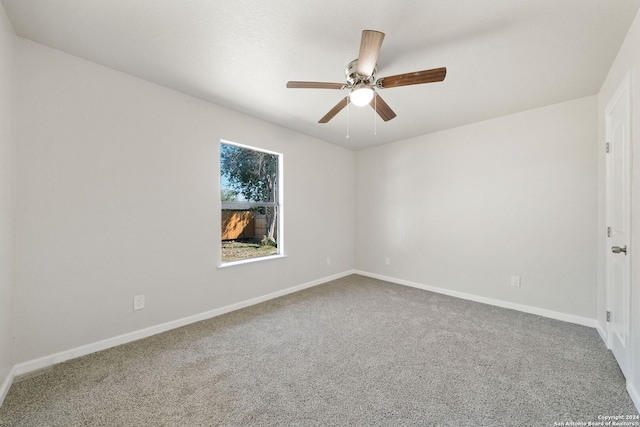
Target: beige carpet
356 351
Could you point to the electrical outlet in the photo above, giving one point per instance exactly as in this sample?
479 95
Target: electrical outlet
328 261
138 302
515 281
387 261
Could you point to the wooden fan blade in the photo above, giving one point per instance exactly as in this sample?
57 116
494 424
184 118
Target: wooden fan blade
382 108
369 49
418 77
335 110
315 85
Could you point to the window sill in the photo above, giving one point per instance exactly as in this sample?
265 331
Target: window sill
250 260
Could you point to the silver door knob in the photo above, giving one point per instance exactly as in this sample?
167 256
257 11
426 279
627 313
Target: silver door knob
618 249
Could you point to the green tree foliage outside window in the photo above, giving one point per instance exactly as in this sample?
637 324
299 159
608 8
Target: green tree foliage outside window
252 176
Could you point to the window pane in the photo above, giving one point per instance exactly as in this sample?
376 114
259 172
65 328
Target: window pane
247 174
250 202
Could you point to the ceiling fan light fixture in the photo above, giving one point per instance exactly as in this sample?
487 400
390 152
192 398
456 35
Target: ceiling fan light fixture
361 95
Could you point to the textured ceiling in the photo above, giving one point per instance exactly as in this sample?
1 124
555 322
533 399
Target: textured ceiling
502 56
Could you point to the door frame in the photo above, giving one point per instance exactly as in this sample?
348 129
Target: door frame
624 88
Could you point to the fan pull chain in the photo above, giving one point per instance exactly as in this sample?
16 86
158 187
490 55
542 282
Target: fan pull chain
348 117
375 113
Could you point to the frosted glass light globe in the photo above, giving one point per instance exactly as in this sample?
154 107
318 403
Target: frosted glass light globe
361 96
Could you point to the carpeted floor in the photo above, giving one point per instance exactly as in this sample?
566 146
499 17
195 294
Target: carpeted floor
356 351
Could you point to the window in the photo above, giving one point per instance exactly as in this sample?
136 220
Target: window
250 193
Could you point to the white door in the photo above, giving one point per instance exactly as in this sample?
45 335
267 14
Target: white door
618 129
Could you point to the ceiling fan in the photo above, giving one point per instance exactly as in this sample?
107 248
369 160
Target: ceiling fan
361 79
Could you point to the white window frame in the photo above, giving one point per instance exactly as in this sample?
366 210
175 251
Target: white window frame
279 204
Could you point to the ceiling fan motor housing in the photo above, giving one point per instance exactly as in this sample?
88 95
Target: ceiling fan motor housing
353 78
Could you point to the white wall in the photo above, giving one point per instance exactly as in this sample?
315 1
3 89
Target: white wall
627 61
7 161
467 208
118 195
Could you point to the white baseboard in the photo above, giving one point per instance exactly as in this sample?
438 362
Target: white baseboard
6 384
602 331
50 360
634 393
585 321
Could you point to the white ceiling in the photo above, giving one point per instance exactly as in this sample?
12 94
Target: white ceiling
502 56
